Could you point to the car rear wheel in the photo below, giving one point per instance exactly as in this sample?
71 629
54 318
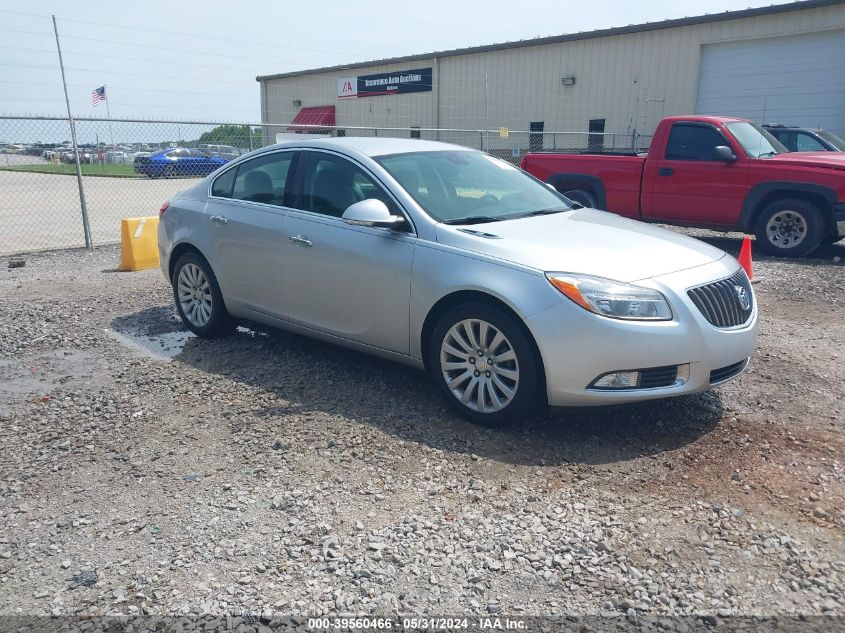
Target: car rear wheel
790 228
198 298
585 198
485 365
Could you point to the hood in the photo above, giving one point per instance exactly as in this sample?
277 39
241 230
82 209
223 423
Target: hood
830 160
583 241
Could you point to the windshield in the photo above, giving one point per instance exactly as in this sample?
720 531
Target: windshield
834 140
756 141
464 187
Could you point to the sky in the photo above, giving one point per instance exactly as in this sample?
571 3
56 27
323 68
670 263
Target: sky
197 61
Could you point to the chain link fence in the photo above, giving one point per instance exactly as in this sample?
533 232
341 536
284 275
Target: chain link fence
123 175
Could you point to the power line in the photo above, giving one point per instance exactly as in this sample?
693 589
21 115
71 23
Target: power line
128 88
181 33
127 74
143 105
135 59
149 46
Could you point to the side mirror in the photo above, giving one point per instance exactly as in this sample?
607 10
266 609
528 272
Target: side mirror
371 212
723 153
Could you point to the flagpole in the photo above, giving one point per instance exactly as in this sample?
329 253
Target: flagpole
108 113
86 227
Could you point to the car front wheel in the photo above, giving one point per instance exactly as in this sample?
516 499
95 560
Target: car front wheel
485 365
198 298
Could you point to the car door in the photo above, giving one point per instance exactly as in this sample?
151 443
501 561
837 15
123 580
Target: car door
688 186
246 217
350 281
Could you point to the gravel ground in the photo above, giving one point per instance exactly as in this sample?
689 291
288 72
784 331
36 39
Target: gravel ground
146 471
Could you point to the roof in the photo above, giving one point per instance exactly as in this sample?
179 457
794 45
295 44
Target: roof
317 115
572 37
371 146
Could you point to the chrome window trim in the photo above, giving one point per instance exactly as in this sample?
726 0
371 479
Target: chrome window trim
236 164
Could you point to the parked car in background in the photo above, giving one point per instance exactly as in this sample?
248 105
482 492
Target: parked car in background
177 161
221 151
117 157
805 139
446 258
722 173
85 157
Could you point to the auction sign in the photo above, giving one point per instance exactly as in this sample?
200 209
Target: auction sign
396 83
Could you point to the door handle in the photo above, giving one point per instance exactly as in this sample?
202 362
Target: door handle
298 239
219 218
665 171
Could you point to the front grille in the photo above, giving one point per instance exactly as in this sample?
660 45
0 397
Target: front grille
658 377
721 302
723 373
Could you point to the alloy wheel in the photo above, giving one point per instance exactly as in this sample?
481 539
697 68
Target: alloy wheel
479 365
194 294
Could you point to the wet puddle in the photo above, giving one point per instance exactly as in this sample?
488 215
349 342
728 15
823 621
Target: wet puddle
158 332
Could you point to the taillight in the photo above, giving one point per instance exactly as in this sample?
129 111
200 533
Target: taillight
163 208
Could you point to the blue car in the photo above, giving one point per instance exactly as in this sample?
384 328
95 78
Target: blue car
177 161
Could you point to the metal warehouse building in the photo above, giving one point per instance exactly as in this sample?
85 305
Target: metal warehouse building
778 64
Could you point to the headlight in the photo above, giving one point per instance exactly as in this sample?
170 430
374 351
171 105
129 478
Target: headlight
613 299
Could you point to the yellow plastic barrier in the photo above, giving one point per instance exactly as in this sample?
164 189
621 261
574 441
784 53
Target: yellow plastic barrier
138 243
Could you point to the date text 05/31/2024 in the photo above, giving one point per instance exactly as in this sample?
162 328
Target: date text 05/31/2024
417 623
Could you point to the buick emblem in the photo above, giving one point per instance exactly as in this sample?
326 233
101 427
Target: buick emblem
742 297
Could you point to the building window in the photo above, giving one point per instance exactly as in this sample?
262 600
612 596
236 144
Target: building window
535 139
595 140
415 131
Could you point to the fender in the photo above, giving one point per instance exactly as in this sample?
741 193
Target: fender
594 182
760 191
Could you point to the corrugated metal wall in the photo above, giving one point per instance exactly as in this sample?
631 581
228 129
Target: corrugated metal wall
631 80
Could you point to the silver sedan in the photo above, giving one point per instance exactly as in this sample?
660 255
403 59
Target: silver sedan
510 295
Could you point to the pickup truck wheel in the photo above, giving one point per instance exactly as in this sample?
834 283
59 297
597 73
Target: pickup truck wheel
580 196
790 228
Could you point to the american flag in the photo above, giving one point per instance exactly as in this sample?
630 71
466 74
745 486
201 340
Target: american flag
97 95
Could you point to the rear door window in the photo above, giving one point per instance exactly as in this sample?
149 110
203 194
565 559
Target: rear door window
263 179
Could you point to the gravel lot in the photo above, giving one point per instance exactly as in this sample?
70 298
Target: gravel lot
146 471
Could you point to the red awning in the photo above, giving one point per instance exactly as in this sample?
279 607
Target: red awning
319 115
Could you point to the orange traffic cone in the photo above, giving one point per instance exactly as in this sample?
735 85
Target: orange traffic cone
745 257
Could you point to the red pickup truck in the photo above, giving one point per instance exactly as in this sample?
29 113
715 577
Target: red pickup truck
715 172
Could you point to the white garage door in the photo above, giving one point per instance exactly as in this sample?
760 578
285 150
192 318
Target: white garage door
794 80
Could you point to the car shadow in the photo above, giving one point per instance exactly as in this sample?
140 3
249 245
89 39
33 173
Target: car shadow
305 376
823 256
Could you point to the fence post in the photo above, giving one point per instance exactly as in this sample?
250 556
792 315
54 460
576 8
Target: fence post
86 227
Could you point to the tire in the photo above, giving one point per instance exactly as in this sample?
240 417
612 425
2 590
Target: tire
198 298
585 198
790 227
511 392
170 171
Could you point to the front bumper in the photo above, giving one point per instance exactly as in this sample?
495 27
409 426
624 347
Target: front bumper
577 346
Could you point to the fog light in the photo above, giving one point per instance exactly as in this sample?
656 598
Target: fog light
618 380
683 374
